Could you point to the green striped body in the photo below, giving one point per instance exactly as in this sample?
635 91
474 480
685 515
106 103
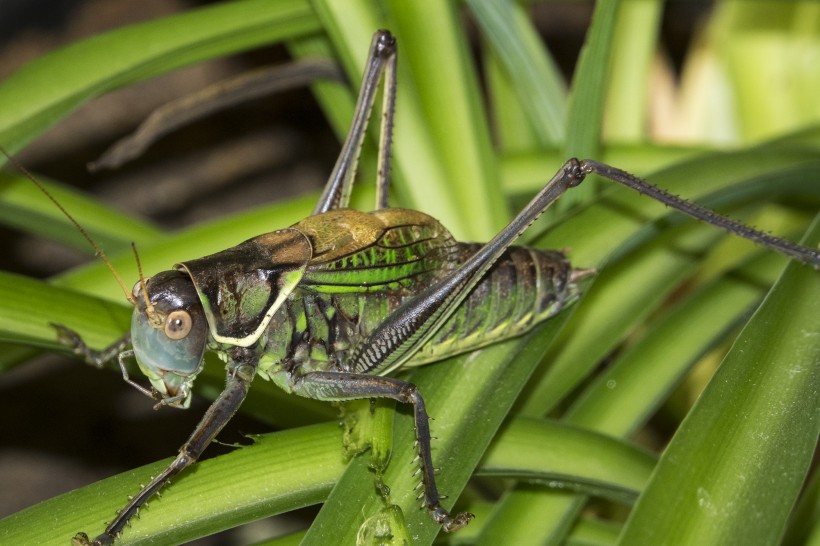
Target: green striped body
364 266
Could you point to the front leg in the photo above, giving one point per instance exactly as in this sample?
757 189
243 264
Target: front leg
333 386
98 359
219 413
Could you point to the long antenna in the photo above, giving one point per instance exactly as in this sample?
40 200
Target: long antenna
149 307
97 250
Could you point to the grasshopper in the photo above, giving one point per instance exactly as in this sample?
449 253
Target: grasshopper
329 306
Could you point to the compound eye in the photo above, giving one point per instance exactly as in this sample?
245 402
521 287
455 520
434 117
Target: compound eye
178 324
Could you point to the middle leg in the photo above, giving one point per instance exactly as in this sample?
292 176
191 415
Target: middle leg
334 386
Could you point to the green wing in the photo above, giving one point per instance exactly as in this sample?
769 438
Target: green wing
383 250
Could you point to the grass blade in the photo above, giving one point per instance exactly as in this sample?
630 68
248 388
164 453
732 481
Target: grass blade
190 509
589 87
32 103
759 412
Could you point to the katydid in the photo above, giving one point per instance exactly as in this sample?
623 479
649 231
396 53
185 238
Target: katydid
329 306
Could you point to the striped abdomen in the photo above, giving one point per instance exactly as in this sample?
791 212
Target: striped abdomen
525 287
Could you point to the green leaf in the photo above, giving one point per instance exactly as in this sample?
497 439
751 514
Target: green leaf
242 486
24 207
446 84
634 47
759 412
29 305
446 166
531 72
32 102
567 456
589 87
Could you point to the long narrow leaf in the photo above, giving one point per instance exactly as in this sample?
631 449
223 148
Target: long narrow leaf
758 418
31 102
589 85
247 484
469 396
533 74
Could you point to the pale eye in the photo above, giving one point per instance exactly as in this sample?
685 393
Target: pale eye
178 324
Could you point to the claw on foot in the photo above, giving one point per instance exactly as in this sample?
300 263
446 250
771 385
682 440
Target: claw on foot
81 539
449 523
69 338
454 524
